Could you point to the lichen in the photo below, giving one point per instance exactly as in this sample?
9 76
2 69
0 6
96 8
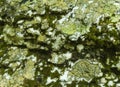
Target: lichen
60 58
13 35
15 73
59 43
84 70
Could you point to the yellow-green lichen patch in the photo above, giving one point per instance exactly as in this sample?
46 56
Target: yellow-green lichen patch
18 77
79 47
13 35
66 37
70 27
29 70
41 38
59 6
56 5
91 10
15 55
31 45
15 75
115 18
67 28
83 69
58 43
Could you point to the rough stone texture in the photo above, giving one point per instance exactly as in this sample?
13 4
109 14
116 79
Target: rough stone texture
44 42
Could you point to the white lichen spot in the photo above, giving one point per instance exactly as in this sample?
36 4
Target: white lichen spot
103 80
19 34
110 83
118 65
33 31
116 79
50 80
101 85
75 36
80 47
20 21
30 13
7 76
68 15
38 19
60 58
56 69
68 55
118 85
64 76
91 1
40 64
71 63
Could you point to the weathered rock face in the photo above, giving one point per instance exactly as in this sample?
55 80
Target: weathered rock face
59 43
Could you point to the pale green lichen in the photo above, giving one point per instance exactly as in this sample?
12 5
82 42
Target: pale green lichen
118 65
67 28
60 58
41 38
17 73
60 5
59 42
15 55
29 70
79 47
45 24
96 8
83 69
33 31
65 37
115 18
31 45
13 35
70 27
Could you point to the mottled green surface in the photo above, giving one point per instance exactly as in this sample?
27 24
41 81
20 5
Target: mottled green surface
84 70
59 43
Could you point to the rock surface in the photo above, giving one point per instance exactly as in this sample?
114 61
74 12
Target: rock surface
59 43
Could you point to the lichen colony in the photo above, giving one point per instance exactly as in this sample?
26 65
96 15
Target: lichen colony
59 43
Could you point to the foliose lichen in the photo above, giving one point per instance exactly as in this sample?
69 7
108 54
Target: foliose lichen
44 42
